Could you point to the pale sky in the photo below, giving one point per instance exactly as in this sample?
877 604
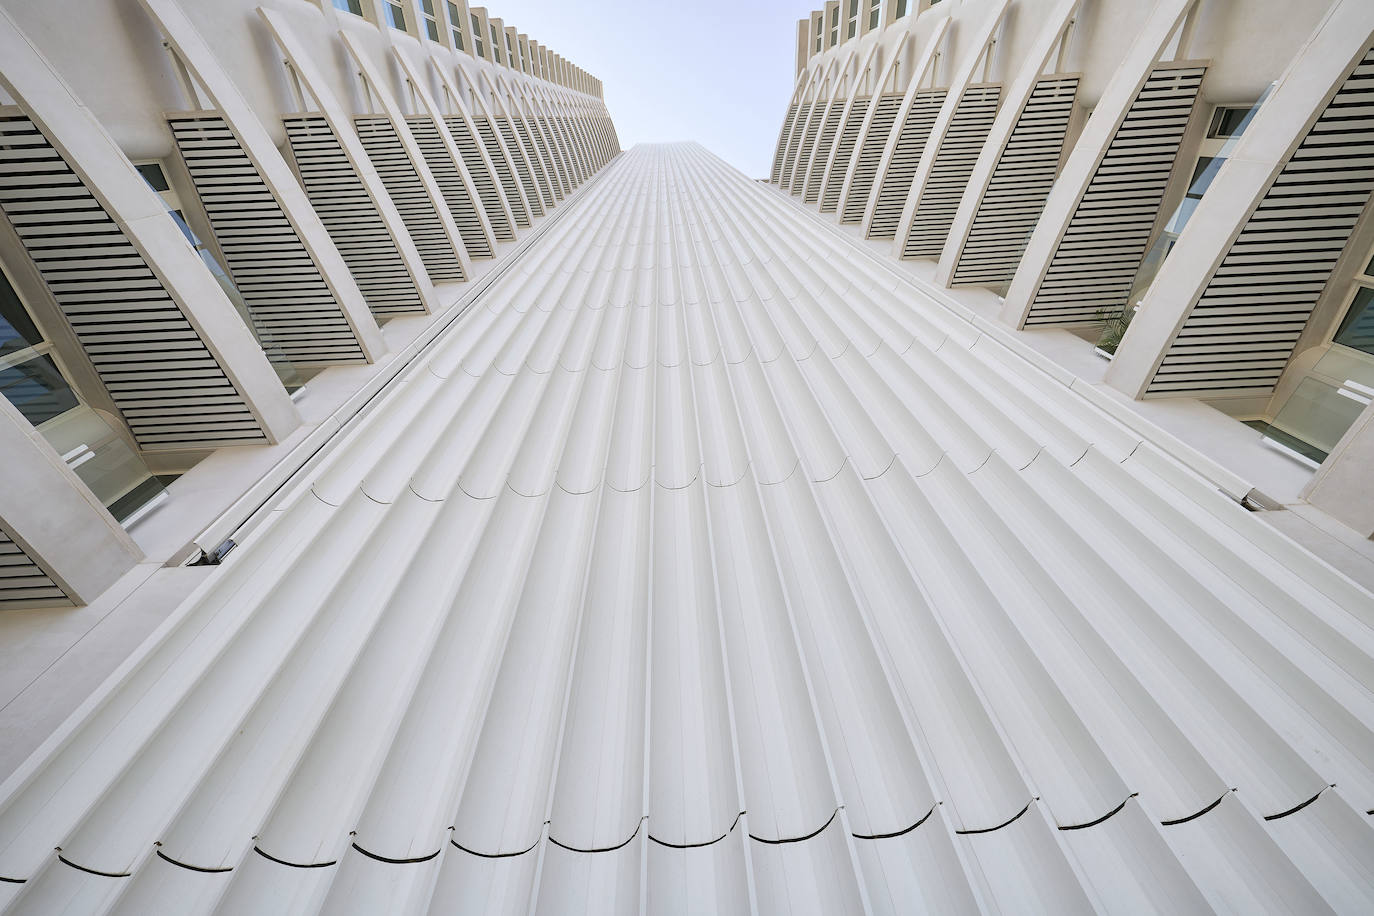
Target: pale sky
718 73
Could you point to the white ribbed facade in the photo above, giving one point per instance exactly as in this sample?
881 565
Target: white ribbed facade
664 544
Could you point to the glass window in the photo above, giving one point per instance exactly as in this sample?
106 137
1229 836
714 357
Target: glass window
477 36
1228 122
495 44
1203 174
349 6
455 23
17 330
431 19
901 9
1357 328
852 18
874 8
395 15
152 173
510 54
36 387
29 378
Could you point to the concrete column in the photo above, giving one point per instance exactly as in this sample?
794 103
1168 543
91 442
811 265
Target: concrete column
1259 157
808 126
520 207
785 133
91 153
49 513
303 63
431 108
835 170
495 104
963 78
392 111
193 50
415 73
1013 103
1341 488
924 65
1111 110
851 92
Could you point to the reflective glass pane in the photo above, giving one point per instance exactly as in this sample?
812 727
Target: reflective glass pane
17 330
1314 418
1203 175
1229 122
152 173
1357 330
37 388
455 21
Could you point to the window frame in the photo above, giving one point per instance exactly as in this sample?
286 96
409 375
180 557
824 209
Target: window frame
430 17
455 26
391 10
43 349
1221 112
1362 280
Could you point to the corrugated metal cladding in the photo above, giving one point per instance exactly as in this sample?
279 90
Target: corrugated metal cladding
706 567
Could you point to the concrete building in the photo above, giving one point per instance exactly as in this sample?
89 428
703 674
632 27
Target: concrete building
250 198
418 505
1045 161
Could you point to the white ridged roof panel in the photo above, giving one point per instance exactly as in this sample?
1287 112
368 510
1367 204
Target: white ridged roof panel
705 566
